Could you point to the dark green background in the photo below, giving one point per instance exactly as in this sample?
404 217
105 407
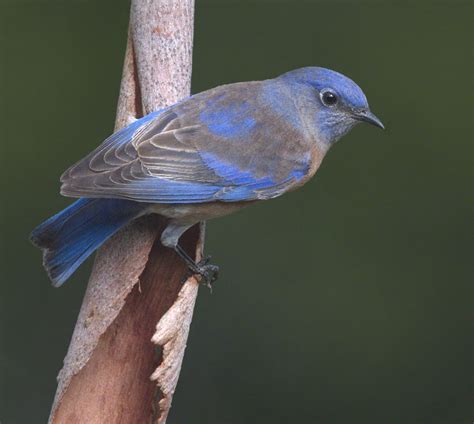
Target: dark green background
347 301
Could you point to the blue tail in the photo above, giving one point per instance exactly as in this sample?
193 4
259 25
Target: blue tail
71 236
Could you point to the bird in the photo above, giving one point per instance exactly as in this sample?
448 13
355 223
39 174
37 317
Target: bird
204 157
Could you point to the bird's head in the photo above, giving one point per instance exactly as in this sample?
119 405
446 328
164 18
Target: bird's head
333 102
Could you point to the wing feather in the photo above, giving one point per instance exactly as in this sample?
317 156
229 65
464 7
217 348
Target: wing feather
172 156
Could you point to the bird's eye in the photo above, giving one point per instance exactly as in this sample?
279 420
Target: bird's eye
329 98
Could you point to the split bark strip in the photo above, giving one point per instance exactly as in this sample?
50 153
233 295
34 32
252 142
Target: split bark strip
107 370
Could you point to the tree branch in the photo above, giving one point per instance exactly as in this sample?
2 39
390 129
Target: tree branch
107 370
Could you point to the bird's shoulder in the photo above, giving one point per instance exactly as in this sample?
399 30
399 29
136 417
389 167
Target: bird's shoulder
235 142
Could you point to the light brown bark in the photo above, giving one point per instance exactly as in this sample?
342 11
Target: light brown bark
113 371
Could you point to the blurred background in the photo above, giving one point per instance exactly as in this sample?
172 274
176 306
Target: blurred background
348 301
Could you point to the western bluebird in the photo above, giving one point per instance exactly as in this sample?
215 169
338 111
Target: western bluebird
204 157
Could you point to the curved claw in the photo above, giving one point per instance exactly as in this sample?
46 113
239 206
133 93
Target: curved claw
208 272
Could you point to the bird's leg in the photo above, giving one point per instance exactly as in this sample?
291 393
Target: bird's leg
204 269
207 271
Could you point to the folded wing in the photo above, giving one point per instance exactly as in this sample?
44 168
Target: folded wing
171 156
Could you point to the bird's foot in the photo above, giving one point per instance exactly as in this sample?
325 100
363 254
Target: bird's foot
207 272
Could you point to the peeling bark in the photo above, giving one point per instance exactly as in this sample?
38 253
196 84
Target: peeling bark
113 372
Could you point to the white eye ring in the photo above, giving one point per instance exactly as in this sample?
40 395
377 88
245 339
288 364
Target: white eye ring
328 97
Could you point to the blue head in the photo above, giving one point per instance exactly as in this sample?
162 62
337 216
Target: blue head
331 101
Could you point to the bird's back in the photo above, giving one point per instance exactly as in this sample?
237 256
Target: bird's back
237 142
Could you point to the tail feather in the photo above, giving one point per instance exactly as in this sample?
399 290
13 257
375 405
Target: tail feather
68 238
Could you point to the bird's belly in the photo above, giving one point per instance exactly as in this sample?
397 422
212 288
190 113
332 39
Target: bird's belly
199 211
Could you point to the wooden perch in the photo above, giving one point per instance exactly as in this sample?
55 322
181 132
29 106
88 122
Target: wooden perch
124 359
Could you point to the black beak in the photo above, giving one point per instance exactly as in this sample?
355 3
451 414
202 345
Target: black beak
369 117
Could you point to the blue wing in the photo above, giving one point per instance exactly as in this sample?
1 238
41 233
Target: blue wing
207 148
